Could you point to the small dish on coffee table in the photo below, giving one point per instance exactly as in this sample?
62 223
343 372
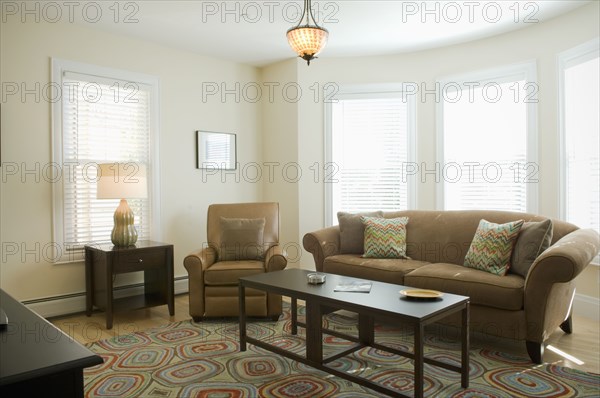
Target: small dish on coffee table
421 294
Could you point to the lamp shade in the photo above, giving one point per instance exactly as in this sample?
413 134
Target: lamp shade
121 181
307 41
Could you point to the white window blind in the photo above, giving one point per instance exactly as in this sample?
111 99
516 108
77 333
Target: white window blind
487 160
580 137
104 120
369 149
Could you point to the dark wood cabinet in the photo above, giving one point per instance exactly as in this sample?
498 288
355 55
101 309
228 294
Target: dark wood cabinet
37 359
103 262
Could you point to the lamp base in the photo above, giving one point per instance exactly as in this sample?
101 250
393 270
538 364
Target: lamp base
123 233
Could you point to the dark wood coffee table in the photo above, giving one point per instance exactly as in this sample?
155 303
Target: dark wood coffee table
383 302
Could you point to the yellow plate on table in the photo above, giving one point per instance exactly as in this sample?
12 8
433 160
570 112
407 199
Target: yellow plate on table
422 294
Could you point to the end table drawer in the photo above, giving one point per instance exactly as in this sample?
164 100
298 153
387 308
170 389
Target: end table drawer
131 262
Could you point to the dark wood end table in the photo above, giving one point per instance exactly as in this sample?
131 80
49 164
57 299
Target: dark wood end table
103 262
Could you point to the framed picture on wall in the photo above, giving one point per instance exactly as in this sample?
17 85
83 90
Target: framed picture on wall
216 150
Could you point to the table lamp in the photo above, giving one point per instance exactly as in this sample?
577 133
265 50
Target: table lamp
122 181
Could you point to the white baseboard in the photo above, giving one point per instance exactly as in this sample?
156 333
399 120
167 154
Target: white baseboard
586 306
72 304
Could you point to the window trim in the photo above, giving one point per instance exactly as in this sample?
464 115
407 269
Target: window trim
573 56
58 67
526 70
394 90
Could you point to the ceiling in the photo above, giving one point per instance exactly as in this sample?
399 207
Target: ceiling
253 32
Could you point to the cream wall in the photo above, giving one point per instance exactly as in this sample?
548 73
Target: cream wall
541 43
26 208
280 154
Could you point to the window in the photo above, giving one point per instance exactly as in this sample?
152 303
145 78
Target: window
579 72
487 141
101 116
370 139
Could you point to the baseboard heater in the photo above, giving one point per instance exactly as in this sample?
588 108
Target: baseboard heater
66 304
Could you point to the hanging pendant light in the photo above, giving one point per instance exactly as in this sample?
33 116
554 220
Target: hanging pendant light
307 40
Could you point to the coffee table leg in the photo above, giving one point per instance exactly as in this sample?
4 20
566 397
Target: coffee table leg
366 329
314 333
294 316
418 360
464 375
242 301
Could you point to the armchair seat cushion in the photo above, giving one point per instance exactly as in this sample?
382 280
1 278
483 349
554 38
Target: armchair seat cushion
484 288
227 273
391 270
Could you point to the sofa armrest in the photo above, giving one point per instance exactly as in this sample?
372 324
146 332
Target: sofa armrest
196 263
564 260
322 243
275 259
550 285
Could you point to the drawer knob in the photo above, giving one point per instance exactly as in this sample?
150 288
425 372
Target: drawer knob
141 261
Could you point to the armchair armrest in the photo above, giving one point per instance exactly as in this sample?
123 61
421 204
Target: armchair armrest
275 259
196 263
199 260
322 243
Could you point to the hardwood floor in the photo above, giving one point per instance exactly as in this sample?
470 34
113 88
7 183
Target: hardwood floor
583 345
89 329
580 350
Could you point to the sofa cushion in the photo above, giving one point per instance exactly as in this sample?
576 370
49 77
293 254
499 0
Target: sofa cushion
379 269
533 239
229 272
352 231
484 288
492 246
385 237
242 239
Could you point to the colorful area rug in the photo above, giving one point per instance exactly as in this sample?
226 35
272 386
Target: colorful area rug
185 359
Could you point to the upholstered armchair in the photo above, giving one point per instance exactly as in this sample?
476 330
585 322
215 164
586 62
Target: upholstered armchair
243 240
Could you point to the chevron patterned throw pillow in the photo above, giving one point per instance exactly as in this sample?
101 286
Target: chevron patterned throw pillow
385 238
492 246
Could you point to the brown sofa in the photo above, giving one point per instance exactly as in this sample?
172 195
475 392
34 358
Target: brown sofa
510 306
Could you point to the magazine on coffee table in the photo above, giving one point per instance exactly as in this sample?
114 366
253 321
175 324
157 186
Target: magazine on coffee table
354 286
